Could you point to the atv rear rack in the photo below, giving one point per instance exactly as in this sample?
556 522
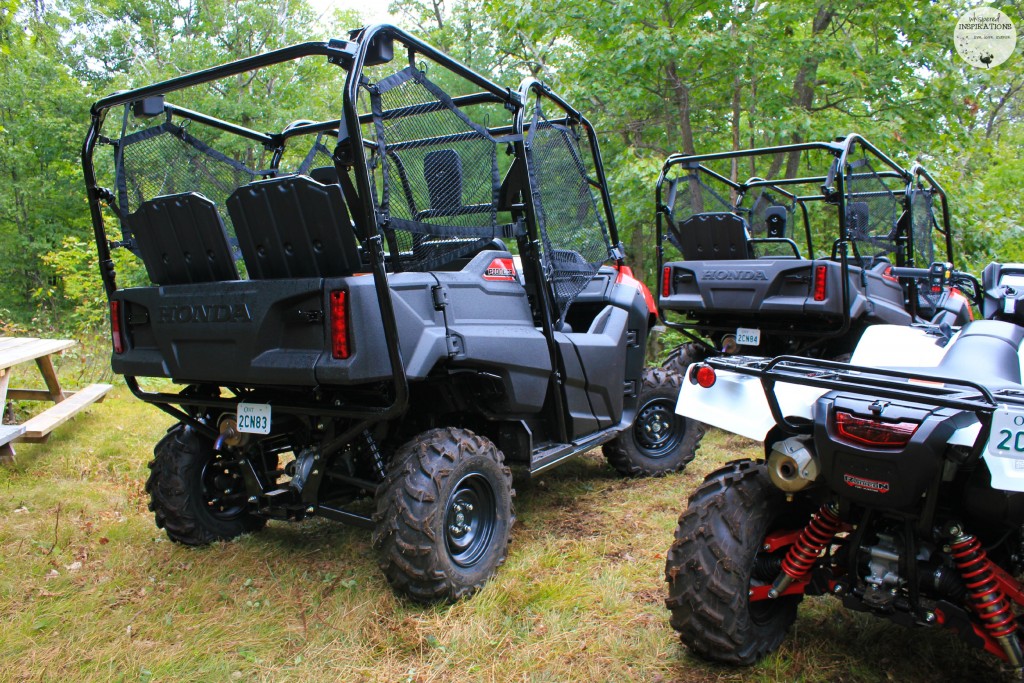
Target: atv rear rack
917 387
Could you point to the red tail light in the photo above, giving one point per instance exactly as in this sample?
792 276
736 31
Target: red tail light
820 282
704 375
666 281
340 347
875 433
116 335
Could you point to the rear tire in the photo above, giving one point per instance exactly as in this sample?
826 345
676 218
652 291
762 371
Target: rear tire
659 441
711 566
444 515
191 496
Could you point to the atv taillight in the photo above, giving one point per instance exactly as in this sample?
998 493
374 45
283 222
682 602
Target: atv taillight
666 281
820 282
704 375
874 433
340 347
115 327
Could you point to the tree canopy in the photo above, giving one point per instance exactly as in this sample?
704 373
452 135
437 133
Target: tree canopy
654 76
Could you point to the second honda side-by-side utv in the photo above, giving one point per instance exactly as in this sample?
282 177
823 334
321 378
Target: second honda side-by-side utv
372 314
799 265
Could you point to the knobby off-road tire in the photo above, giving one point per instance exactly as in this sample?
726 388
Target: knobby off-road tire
659 441
713 562
683 356
184 478
444 515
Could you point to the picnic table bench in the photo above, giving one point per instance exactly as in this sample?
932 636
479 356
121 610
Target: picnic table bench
17 350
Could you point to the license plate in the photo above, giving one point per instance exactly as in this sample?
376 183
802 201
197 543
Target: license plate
1006 439
254 418
748 336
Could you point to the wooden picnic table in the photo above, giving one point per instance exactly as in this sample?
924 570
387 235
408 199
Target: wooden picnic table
18 350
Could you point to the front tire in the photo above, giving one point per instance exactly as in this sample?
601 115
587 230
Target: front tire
444 515
659 441
714 561
193 497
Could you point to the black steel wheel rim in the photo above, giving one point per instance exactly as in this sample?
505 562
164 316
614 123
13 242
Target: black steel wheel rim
658 430
223 491
470 519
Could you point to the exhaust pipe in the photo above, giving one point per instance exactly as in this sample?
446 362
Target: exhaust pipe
792 466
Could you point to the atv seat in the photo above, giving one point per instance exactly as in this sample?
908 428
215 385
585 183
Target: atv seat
985 350
181 240
715 237
293 226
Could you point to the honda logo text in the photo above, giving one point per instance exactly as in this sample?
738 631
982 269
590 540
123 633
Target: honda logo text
734 275
216 313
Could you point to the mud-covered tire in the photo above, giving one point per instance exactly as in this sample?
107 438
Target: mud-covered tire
183 480
659 441
711 566
683 356
444 515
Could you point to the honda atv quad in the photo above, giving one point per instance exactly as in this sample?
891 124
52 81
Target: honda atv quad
895 484
797 265
341 307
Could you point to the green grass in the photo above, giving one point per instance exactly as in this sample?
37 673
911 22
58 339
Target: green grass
90 589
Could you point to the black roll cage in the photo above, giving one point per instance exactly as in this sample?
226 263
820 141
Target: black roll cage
353 55
832 189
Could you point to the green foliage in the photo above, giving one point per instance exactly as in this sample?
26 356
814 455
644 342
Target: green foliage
654 76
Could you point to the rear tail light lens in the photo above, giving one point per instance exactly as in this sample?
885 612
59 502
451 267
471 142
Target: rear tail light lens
704 375
116 333
874 433
340 346
820 282
666 281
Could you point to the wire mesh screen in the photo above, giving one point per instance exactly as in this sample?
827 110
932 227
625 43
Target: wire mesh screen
168 159
922 212
435 171
566 197
872 209
690 194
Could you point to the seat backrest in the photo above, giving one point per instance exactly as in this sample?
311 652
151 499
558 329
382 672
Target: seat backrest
714 237
181 240
775 221
857 219
442 169
293 226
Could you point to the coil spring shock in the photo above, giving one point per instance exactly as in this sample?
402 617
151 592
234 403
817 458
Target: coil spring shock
987 600
815 537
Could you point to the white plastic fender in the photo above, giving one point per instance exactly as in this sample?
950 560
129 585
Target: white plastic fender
898 346
736 403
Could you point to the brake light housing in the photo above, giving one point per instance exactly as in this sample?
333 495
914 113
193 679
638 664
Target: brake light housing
820 282
341 345
116 330
666 281
871 432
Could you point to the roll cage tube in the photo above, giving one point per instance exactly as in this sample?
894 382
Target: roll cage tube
919 172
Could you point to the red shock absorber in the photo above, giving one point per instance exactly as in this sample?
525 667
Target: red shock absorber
815 537
987 600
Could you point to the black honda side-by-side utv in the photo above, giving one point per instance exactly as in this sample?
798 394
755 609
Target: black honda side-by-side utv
401 294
